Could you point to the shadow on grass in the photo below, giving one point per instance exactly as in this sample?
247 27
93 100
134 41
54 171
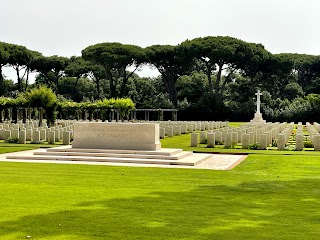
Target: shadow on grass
261 210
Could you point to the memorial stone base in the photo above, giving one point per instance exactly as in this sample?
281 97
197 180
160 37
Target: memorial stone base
258 118
118 143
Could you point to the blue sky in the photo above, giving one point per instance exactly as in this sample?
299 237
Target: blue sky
65 27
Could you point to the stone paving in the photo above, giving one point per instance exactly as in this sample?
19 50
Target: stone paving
217 162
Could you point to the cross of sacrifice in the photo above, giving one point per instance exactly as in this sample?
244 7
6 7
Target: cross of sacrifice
258 100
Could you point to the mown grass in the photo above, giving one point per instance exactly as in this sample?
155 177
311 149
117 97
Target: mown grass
265 197
236 124
13 147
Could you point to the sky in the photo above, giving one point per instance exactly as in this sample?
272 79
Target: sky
66 27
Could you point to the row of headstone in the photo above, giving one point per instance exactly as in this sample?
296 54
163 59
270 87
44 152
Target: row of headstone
263 134
266 133
299 137
176 128
284 136
246 134
30 132
314 135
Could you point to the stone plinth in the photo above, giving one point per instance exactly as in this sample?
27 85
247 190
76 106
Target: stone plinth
258 118
126 136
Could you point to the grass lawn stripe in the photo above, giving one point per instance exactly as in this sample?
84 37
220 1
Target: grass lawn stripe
265 197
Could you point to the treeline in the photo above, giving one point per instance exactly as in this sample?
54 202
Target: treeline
204 78
41 101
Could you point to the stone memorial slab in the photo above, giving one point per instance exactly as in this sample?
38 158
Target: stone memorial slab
162 133
66 138
194 139
7 134
211 140
299 142
22 137
227 142
245 139
316 142
127 136
51 137
203 137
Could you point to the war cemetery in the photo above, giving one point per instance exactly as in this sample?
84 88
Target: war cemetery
224 144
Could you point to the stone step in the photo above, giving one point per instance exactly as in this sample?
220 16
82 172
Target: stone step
194 159
176 156
163 151
191 160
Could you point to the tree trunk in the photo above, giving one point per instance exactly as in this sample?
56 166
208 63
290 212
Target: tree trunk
1 82
6 114
40 116
173 80
125 81
14 115
90 115
227 80
98 87
27 78
76 83
169 82
218 80
123 87
112 89
57 84
18 79
112 83
24 115
209 77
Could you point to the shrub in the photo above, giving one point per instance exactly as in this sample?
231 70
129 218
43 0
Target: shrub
290 148
204 141
274 143
254 146
233 146
12 140
43 98
308 144
124 105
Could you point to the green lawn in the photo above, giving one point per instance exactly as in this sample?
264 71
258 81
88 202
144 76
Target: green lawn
12 147
236 124
265 197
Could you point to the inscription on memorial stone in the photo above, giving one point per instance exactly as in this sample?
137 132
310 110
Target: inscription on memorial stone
140 136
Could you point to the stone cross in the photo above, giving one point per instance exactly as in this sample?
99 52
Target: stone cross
258 100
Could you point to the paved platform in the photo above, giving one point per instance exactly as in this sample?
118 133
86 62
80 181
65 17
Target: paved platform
216 162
